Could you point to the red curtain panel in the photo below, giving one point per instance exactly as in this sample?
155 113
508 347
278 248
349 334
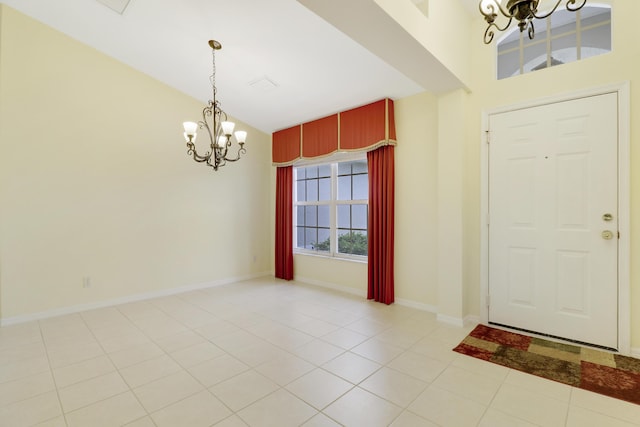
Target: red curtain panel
284 223
381 224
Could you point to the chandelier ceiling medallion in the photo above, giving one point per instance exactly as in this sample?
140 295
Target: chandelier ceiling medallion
523 11
219 129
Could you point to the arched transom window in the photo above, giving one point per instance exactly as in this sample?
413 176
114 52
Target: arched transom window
562 37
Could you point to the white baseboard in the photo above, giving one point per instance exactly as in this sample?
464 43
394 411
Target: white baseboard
471 320
635 352
363 293
450 320
332 286
124 300
417 305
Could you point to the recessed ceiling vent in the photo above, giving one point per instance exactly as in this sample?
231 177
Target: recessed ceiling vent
116 5
263 84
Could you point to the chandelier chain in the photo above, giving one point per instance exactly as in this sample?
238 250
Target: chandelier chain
212 77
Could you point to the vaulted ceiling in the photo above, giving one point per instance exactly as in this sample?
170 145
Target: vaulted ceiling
281 62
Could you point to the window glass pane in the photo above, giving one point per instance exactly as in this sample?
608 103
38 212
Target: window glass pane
301 173
596 34
354 243
360 187
564 55
562 22
509 64
588 52
325 189
300 215
535 53
324 219
311 237
312 190
312 172
564 42
324 237
359 216
342 233
301 194
300 237
344 239
344 216
311 216
324 171
360 166
344 187
361 242
344 168
593 16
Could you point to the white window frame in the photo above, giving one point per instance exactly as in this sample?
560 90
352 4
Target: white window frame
333 204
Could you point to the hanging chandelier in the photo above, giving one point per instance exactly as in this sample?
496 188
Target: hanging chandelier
523 11
219 129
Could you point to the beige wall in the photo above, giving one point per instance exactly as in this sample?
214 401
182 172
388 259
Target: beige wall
95 182
451 174
416 245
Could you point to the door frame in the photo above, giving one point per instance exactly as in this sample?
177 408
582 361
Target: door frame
624 204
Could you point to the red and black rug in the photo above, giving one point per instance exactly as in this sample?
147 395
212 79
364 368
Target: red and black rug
590 369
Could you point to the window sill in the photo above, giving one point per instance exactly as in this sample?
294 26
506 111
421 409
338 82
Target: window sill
357 260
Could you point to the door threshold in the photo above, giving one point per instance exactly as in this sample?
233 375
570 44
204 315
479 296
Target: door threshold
540 334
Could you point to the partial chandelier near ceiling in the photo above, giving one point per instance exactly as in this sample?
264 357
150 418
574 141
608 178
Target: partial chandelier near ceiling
219 129
523 11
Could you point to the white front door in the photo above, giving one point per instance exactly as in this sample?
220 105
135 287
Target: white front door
553 220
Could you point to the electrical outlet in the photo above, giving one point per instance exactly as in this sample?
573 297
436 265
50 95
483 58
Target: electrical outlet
86 282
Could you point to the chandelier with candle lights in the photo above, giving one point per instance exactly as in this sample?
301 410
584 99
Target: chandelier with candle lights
219 129
523 11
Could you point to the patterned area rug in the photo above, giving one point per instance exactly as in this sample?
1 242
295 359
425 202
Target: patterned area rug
594 370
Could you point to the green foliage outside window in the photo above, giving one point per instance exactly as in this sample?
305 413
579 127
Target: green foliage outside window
351 243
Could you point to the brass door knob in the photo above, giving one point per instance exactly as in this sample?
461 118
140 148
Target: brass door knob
607 235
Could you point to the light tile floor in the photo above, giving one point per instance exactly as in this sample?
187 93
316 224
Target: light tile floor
270 353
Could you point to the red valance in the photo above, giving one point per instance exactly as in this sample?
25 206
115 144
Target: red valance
360 129
364 127
320 137
285 145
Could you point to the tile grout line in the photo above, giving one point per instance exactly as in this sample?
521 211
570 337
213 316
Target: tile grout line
115 366
55 384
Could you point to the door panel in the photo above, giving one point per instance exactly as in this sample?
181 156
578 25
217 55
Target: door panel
552 177
573 283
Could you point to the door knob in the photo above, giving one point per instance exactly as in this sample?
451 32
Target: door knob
607 217
607 235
